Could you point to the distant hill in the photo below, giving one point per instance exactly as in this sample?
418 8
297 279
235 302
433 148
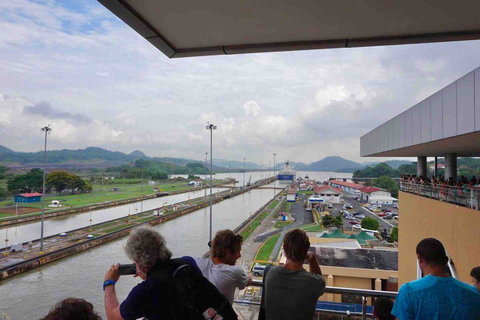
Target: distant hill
238 164
392 163
5 150
296 165
333 163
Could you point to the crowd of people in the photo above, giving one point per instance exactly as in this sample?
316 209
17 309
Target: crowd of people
462 182
203 288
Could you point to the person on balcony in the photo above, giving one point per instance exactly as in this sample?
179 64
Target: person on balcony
291 292
220 267
475 274
436 296
382 309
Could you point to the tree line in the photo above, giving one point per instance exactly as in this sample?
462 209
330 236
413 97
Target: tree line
155 169
59 181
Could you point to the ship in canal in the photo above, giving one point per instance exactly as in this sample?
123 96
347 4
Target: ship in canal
287 175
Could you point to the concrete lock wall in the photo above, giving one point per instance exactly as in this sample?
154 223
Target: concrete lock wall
455 226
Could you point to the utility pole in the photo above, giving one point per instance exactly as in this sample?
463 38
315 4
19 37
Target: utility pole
211 127
261 170
47 130
244 173
141 203
274 174
206 169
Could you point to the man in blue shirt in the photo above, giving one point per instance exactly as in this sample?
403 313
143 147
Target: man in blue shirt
437 296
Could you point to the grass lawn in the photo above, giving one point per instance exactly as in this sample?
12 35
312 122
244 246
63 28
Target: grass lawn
281 224
312 228
267 248
273 204
307 192
253 225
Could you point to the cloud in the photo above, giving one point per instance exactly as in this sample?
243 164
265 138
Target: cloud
123 94
46 110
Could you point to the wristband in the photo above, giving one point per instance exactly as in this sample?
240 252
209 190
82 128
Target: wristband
107 283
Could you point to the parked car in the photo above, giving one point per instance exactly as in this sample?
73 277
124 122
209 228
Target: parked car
350 217
395 217
357 226
395 206
353 222
382 214
359 216
330 206
388 216
258 270
348 206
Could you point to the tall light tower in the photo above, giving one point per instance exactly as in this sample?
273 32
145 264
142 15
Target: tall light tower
47 130
206 167
211 127
141 203
261 169
243 172
274 173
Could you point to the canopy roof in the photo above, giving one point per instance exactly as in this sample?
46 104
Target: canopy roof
337 234
185 28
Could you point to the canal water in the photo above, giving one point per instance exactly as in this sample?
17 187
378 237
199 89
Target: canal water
31 231
30 295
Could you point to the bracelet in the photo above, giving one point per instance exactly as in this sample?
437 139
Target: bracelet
107 283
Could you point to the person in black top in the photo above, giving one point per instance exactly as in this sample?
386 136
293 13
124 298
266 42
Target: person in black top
147 248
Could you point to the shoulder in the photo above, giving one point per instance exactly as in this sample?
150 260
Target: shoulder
467 288
203 262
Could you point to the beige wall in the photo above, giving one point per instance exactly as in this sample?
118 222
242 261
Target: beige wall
458 228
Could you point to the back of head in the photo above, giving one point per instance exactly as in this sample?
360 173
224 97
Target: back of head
475 273
382 309
296 245
432 252
72 309
147 247
225 240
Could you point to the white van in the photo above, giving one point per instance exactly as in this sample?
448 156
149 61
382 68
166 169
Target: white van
258 270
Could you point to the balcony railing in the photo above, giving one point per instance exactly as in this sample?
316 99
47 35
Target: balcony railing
363 293
467 197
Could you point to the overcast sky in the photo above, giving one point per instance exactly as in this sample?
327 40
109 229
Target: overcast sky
75 66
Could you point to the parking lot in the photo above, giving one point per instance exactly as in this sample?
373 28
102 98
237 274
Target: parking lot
358 207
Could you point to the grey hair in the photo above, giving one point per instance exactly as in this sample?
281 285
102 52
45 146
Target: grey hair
147 247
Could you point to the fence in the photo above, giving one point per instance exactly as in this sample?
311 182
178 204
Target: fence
363 293
463 196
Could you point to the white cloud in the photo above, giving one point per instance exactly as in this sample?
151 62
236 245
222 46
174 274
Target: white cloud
88 65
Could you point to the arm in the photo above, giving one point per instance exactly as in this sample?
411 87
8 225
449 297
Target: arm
250 280
112 307
313 263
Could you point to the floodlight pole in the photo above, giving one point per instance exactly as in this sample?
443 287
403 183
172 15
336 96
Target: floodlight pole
244 173
274 173
47 130
206 167
141 203
211 127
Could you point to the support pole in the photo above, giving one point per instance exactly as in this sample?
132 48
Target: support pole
435 169
422 167
451 166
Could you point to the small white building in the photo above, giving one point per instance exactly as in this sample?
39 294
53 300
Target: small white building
329 194
375 195
195 183
151 183
291 196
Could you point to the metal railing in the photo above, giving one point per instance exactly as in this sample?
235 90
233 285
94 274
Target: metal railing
363 293
463 196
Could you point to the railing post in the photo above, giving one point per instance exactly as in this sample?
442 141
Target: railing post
364 308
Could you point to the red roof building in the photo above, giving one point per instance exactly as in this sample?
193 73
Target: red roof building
369 189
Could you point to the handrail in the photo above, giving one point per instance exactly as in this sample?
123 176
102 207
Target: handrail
364 293
463 196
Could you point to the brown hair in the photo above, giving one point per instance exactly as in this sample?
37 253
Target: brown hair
225 240
432 251
296 245
72 309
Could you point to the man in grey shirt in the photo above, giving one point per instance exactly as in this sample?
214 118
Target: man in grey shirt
291 292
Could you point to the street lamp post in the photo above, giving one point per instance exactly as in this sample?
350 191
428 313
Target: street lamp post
211 127
274 173
47 130
141 203
244 173
206 167
261 170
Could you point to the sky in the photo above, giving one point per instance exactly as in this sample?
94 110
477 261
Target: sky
76 67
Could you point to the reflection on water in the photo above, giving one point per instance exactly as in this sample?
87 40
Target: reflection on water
52 226
30 295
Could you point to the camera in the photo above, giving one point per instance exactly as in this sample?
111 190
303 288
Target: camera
126 269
